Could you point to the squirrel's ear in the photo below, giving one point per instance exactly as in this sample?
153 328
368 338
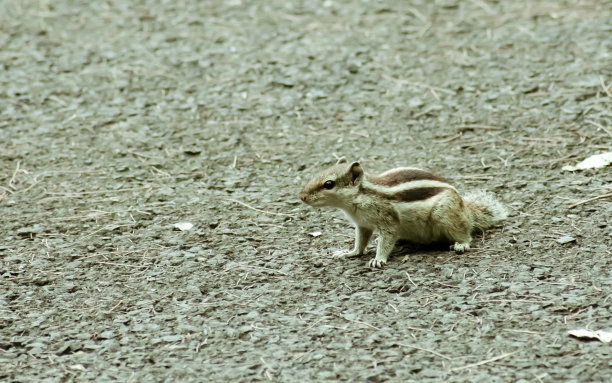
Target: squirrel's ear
341 160
356 173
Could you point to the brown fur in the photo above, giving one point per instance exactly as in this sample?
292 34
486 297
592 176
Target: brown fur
402 175
410 195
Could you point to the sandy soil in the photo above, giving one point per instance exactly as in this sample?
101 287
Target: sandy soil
120 119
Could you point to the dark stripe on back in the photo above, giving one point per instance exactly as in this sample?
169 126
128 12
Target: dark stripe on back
419 194
404 175
409 195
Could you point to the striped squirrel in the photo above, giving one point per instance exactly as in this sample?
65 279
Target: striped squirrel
402 203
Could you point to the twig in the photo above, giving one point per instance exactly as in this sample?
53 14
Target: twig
259 210
115 306
410 279
419 84
426 350
557 160
137 154
106 227
267 365
424 112
433 93
604 86
521 331
418 14
449 139
314 323
476 177
589 200
478 126
484 361
427 86
159 171
599 126
121 264
77 194
418 329
249 122
10 184
357 321
512 300
88 216
240 266
7 189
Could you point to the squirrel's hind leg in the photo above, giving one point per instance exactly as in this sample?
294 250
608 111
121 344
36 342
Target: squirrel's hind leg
452 222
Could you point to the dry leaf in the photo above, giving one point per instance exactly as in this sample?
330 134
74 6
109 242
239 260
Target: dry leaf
594 162
604 336
315 233
182 226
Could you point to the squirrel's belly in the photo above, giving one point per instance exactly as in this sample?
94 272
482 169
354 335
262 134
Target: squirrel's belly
416 226
417 234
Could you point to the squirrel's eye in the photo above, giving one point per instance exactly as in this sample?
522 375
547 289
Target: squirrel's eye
329 184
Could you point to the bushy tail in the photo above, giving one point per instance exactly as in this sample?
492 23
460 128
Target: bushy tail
485 210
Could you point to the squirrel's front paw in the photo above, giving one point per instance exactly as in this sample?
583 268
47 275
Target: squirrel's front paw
345 254
376 263
460 247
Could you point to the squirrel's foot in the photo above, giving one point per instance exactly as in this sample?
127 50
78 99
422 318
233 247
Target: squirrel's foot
345 254
376 263
460 247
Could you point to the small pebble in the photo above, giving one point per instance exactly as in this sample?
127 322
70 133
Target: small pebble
566 239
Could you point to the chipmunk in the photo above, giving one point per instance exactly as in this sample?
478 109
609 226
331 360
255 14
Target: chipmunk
402 203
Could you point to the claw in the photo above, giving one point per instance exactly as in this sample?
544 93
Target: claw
376 263
344 254
460 247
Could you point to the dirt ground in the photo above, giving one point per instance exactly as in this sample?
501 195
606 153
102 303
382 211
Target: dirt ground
120 119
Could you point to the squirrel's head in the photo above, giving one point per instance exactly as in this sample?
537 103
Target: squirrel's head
333 187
